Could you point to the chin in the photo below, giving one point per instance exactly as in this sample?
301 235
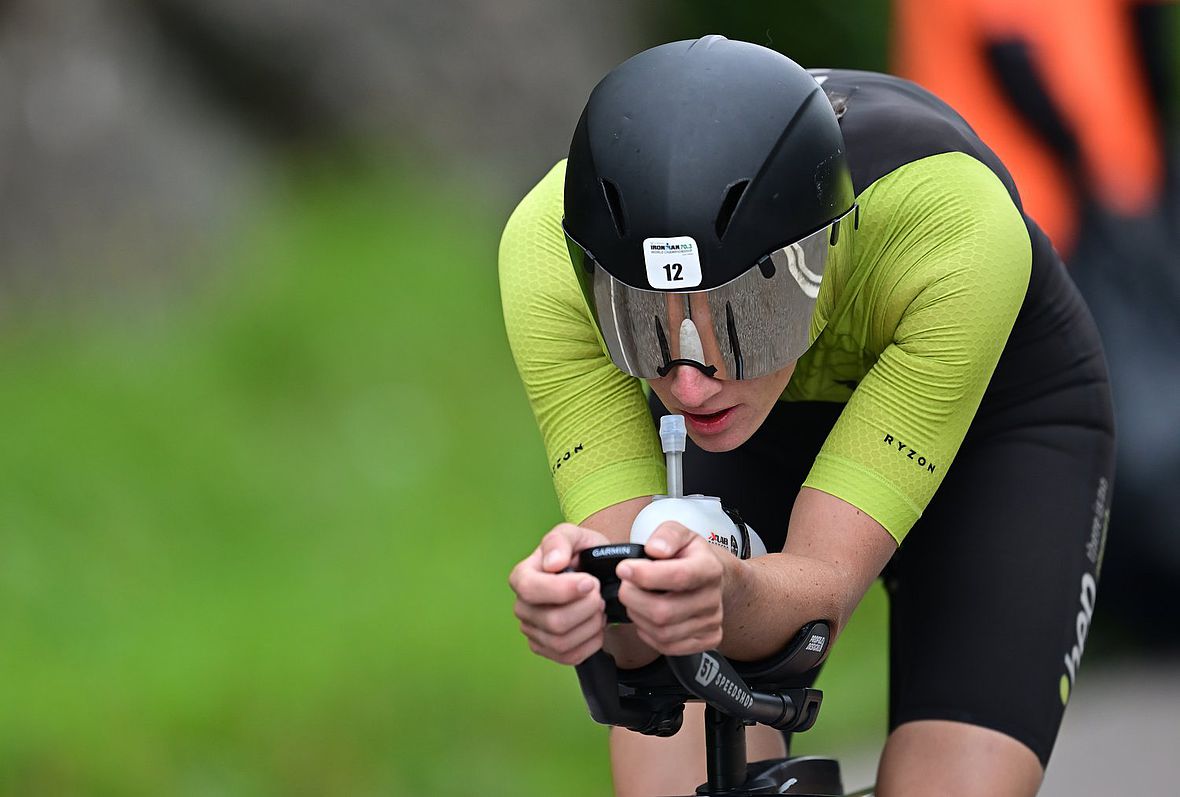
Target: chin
725 441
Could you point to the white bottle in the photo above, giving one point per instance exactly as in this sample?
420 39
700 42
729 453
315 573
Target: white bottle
700 513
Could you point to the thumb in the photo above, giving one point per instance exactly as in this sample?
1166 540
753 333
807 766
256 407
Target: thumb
669 539
559 546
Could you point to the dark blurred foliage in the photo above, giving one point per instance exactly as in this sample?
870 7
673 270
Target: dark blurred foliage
269 94
460 81
135 133
1157 26
849 35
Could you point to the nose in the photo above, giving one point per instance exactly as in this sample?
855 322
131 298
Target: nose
692 388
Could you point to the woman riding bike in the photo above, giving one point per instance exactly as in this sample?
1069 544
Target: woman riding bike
883 366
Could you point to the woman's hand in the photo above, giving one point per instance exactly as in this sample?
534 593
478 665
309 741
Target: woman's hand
675 598
562 614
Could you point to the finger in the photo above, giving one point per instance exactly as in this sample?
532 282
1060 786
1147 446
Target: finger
699 569
669 539
552 589
559 545
580 654
561 644
668 608
530 564
562 619
682 646
565 648
696 625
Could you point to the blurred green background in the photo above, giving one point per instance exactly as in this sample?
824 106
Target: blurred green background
257 541
266 464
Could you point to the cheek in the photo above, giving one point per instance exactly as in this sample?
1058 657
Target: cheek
759 406
774 392
762 394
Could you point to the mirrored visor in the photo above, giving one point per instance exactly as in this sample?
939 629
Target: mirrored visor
749 327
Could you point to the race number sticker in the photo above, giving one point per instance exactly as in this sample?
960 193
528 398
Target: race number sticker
672 263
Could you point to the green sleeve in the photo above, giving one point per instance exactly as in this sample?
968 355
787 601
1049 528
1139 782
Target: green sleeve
594 421
950 259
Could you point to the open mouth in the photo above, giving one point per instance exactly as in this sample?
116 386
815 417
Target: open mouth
705 417
709 421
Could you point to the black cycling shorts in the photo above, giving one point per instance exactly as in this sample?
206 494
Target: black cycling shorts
992 591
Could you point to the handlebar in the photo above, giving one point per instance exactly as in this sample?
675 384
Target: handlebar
713 679
651 699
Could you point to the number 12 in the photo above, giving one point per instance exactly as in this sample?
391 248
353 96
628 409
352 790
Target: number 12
678 275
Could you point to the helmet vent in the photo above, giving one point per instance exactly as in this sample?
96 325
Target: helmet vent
733 195
615 203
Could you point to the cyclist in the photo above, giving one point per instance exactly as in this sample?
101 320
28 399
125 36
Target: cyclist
830 276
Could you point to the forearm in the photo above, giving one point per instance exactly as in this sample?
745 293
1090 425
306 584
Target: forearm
768 599
833 553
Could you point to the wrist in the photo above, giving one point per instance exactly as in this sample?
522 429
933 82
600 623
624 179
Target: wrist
735 580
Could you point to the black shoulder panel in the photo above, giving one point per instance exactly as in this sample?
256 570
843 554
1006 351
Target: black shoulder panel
888 122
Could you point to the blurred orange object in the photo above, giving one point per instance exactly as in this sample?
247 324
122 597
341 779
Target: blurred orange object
1084 54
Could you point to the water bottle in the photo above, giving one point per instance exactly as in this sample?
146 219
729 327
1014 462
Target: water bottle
703 514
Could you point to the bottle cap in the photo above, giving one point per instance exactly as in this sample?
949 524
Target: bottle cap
672 434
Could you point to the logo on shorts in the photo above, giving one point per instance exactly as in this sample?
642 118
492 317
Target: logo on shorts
1096 545
1073 659
1095 548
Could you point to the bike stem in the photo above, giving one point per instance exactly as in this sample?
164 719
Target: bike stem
725 751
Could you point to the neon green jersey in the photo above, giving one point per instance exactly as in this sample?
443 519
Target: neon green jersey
910 324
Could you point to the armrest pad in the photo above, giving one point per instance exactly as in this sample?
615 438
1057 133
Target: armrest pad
803 653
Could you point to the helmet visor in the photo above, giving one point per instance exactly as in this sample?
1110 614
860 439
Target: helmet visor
749 327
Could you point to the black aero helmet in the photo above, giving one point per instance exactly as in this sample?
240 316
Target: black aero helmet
705 183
